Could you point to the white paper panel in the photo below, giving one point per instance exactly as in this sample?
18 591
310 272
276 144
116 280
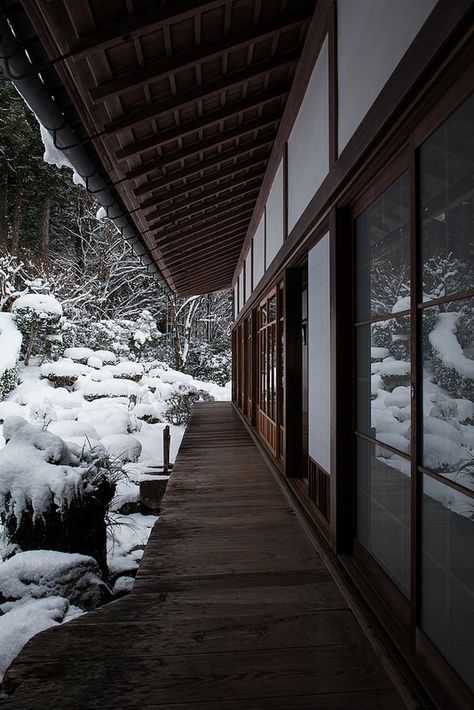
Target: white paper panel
372 37
236 299
241 289
319 354
248 274
308 144
259 251
274 217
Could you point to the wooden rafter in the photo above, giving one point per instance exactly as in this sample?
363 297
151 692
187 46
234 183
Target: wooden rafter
177 244
200 93
197 55
194 228
190 151
214 161
208 119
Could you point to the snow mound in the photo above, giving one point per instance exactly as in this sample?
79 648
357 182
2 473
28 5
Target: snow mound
107 356
94 362
108 388
41 303
78 354
66 429
440 453
127 370
64 370
10 409
35 470
43 573
124 447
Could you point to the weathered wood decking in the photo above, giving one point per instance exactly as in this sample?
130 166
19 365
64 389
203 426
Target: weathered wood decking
232 608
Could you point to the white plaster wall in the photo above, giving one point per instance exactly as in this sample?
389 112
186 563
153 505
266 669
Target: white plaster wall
259 251
274 217
372 37
248 273
308 144
319 354
236 299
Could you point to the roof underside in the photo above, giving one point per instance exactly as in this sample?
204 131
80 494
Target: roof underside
181 101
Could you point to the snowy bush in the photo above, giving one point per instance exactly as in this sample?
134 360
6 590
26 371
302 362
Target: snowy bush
10 344
211 362
109 388
453 370
38 317
80 355
63 373
181 401
107 357
49 497
127 371
145 337
149 413
124 447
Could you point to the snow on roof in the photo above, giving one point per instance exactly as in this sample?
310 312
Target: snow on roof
55 156
39 302
10 343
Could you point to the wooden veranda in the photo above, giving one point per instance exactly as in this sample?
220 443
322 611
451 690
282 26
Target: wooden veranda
233 607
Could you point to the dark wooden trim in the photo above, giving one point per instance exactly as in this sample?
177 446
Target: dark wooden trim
185 231
176 242
333 91
293 390
398 165
285 191
178 210
416 416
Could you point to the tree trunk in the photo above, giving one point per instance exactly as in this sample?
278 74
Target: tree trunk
3 214
44 231
16 221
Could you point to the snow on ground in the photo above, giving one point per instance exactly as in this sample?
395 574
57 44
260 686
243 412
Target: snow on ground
56 411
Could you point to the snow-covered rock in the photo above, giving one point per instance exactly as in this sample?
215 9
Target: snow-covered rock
43 573
127 370
66 429
124 447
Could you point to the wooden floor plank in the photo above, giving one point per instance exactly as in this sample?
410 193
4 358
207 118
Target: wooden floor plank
232 607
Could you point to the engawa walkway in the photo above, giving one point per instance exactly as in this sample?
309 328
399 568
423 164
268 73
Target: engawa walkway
232 608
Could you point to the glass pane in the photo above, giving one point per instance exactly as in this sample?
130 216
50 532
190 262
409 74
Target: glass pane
272 309
447 205
447 590
448 396
383 510
383 381
383 253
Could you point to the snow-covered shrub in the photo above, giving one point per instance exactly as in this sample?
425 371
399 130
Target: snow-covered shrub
10 345
181 401
124 447
453 370
127 371
42 573
107 357
51 498
149 413
145 336
112 335
211 362
80 355
63 373
38 317
108 388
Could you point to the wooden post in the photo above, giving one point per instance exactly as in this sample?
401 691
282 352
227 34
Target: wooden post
166 449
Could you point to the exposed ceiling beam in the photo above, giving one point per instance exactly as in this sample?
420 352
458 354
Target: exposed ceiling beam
223 264
209 180
148 21
188 211
199 54
214 161
222 275
191 150
190 242
176 103
212 192
208 119
196 226
215 250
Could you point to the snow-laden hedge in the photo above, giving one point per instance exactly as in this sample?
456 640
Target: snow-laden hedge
10 345
455 372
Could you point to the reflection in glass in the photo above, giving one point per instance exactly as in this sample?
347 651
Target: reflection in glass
383 253
383 381
383 509
446 161
272 309
447 591
448 390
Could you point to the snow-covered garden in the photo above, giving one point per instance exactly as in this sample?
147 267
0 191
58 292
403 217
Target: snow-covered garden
80 428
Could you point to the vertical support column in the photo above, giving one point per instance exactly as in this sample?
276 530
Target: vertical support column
293 388
342 384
